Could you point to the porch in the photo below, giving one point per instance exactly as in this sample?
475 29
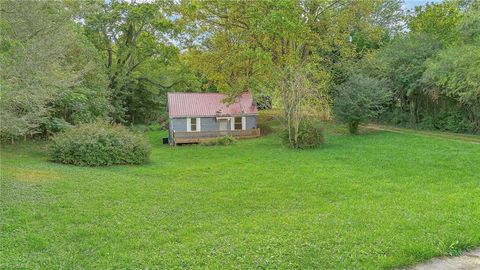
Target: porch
200 136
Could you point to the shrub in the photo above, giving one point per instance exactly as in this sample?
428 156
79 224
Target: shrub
140 128
454 121
225 140
54 125
265 129
359 99
99 144
310 135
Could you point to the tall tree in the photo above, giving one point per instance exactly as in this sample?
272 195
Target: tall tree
50 76
136 40
433 69
440 20
263 45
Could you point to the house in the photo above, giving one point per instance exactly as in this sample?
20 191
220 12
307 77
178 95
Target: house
196 117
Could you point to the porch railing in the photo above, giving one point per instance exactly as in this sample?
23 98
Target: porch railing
198 136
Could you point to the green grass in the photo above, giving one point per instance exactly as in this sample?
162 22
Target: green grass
380 200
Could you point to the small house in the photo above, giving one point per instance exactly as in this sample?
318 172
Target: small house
196 117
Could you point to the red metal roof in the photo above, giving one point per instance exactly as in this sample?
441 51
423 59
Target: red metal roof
208 104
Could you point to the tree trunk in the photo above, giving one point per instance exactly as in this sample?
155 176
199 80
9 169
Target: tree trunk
353 127
109 50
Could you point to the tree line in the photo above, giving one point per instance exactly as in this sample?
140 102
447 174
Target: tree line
71 62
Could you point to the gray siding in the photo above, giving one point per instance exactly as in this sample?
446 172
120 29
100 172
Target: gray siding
207 124
251 122
179 124
170 134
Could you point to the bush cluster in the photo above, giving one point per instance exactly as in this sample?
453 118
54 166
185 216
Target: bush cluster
99 144
360 99
225 140
140 128
446 120
310 135
265 129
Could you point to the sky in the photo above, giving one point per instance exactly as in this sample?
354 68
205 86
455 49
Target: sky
410 4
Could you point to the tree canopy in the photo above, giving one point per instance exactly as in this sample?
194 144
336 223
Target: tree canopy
68 62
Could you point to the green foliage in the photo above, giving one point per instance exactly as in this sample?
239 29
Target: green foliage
50 70
248 45
359 99
99 144
441 20
263 101
56 125
455 73
401 65
433 69
448 120
470 26
225 140
265 129
310 135
71 62
144 128
142 63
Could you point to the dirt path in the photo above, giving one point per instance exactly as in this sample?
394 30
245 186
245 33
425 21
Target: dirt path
467 261
436 134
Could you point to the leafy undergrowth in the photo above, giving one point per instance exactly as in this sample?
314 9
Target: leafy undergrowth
379 200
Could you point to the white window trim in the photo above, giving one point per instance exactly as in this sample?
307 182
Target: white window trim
198 124
244 123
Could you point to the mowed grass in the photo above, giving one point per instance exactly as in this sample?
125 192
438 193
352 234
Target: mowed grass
379 200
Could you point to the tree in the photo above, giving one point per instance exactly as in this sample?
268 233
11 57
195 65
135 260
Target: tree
142 62
359 99
440 20
51 74
401 65
455 71
298 92
258 45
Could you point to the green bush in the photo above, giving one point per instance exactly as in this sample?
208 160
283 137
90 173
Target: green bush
99 144
140 128
360 99
225 140
265 129
446 120
453 121
54 125
310 135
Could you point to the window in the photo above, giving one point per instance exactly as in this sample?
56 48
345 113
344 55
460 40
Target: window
238 123
193 124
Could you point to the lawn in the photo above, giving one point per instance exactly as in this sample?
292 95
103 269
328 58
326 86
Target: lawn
379 200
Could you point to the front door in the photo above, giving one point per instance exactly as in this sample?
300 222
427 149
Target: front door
223 124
